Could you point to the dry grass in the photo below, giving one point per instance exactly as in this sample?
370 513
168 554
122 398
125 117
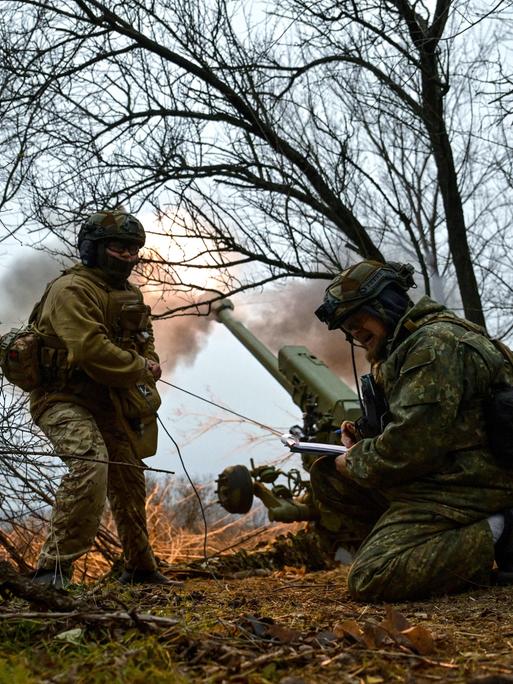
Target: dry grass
287 627
175 525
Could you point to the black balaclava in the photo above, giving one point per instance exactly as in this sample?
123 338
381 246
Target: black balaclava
117 270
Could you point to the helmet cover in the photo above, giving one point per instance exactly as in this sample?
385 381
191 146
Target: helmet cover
118 225
360 284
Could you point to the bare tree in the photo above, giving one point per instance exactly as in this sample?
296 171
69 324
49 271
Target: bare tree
277 145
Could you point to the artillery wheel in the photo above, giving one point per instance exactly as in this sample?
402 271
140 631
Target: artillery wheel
235 489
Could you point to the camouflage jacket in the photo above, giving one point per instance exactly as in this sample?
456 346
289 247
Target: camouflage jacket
77 313
434 449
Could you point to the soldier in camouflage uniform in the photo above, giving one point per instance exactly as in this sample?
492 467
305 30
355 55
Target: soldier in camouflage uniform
97 403
426 501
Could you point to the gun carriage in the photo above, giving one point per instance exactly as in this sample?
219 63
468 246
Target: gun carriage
325 401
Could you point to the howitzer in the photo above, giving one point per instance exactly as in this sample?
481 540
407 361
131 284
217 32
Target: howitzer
325 402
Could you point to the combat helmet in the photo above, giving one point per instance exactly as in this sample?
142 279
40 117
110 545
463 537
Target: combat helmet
361 284
107 225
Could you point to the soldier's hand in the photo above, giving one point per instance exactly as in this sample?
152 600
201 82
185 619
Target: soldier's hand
348 435
154 368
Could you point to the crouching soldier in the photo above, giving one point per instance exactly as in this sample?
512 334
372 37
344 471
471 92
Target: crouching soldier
97 401
419 491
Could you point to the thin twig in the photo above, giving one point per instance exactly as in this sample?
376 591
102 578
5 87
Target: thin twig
118 616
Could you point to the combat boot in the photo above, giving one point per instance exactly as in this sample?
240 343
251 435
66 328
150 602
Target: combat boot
146 577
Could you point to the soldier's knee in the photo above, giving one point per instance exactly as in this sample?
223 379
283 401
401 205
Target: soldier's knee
361 583
374 581
393 580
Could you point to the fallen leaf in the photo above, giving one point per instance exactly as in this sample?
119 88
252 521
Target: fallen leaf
394 622
349 628
374 635
283 633
421 639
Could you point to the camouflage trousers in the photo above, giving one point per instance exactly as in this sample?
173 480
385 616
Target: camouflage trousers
84 489
405 550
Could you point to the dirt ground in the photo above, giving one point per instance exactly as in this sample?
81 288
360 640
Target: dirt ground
289 626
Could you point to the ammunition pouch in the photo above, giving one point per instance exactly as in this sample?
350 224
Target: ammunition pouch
143 435
134 317
139 401
53 365
19 358
128 318
137 407
30 360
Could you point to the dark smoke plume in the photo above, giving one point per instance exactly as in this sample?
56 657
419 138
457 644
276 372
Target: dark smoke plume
289 318
286 318
179 339
23 284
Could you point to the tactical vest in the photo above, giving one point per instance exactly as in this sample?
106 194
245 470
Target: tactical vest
126 319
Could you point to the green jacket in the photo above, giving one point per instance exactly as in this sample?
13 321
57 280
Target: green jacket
434 449
97 361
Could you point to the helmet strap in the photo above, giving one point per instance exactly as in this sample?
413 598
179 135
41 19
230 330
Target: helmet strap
355 373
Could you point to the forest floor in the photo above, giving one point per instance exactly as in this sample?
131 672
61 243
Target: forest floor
287 626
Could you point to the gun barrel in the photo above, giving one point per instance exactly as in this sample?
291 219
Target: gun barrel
310 383
222 311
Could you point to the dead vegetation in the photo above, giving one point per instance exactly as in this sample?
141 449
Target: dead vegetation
175 524
290 625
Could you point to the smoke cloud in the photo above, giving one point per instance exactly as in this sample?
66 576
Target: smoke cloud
289 318
179 339
283 316
22 284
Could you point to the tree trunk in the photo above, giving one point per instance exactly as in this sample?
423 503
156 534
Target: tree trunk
447 178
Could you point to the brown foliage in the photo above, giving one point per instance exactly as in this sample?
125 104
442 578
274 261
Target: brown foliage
176 527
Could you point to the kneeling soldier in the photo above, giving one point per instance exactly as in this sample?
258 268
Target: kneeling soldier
420 492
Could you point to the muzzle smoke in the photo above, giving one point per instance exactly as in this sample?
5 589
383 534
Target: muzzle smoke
289 319
178 339
23 283
286 318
